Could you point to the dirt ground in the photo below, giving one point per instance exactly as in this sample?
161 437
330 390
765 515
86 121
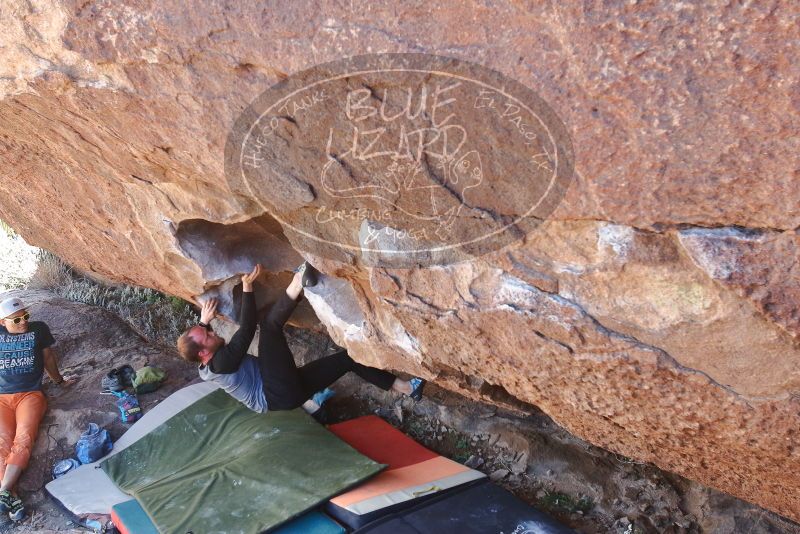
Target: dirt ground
590 489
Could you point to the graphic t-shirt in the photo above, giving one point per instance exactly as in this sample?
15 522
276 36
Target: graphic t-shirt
22 358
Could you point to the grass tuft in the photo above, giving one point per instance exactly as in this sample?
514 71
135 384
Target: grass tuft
561 502
158 317
6 228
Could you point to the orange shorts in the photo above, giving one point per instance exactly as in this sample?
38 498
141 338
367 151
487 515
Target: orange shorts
20 415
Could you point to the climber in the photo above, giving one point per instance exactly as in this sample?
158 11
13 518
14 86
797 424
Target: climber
25 353
272 381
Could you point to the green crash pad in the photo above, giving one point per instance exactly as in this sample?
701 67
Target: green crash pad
219 467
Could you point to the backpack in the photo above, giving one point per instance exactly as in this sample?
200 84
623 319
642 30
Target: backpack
148 379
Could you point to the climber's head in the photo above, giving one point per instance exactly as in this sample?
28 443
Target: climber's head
198 344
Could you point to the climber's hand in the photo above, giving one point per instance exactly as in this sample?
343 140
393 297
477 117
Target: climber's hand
208 311
248 279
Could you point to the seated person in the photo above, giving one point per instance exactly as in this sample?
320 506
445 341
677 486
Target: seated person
272 381
25 353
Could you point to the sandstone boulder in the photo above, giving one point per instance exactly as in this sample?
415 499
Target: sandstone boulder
654 313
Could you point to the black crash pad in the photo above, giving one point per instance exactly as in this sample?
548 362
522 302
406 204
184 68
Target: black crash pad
480 509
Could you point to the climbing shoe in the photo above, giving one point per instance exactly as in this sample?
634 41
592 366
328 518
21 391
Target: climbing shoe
112 382
6 500
310 274
126 375
17 512
11 505
417 385
320 397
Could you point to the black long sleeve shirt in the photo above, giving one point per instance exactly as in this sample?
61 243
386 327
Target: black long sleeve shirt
229 357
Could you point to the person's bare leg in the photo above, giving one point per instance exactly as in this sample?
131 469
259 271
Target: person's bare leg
10 477
295 287
402 386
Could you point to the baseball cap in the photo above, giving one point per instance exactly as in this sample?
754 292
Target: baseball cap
9 306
